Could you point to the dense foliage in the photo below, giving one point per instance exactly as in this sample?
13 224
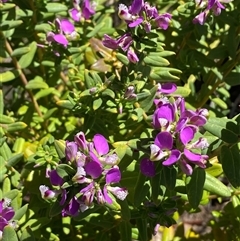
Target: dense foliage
118 118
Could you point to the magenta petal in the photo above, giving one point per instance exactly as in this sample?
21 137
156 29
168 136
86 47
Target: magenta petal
164 140
100 144
135 23
73 207
198 120
192 156
181 123
71 150
61 39
136 6
66 26
186 168
75 14
8 213
55 179
147 167
168 88
64 197
106 196
3 223
113 176
187 134
87 9
200 18
110 42
93 169
174 157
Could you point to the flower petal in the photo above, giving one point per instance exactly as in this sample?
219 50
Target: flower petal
174 157
164 140
147 167
187 134
100 144
113 175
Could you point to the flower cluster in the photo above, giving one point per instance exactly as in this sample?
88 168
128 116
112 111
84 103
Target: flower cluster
6 215
82 9
140 13
177 128
210 5
96 171
65 31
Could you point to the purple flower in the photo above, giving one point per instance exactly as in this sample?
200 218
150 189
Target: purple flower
71 150
100 144
147 167
47 193
55 179
163 116
163 20
88 194
6 213
119 192
113 175
200 18
122 42
72 209
123 12
132 57
82 9
87 9
80 139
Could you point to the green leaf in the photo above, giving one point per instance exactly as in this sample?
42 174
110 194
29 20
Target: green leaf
123 58
141 189
9 24
27 58
36 224
125 231
6 187
194 185
4 119
60 146
232 78
95 30
125 211
27 235
169 176
182 91
64 170
56 8
108 92
11 194
97 103
17 126
215 170
36 83
20 51
1 102
230 159
146 104
9 234
220 103
65 104
165 74
222 128
20 212
46 92
13 160
9 75
158 61
142 229
214 186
